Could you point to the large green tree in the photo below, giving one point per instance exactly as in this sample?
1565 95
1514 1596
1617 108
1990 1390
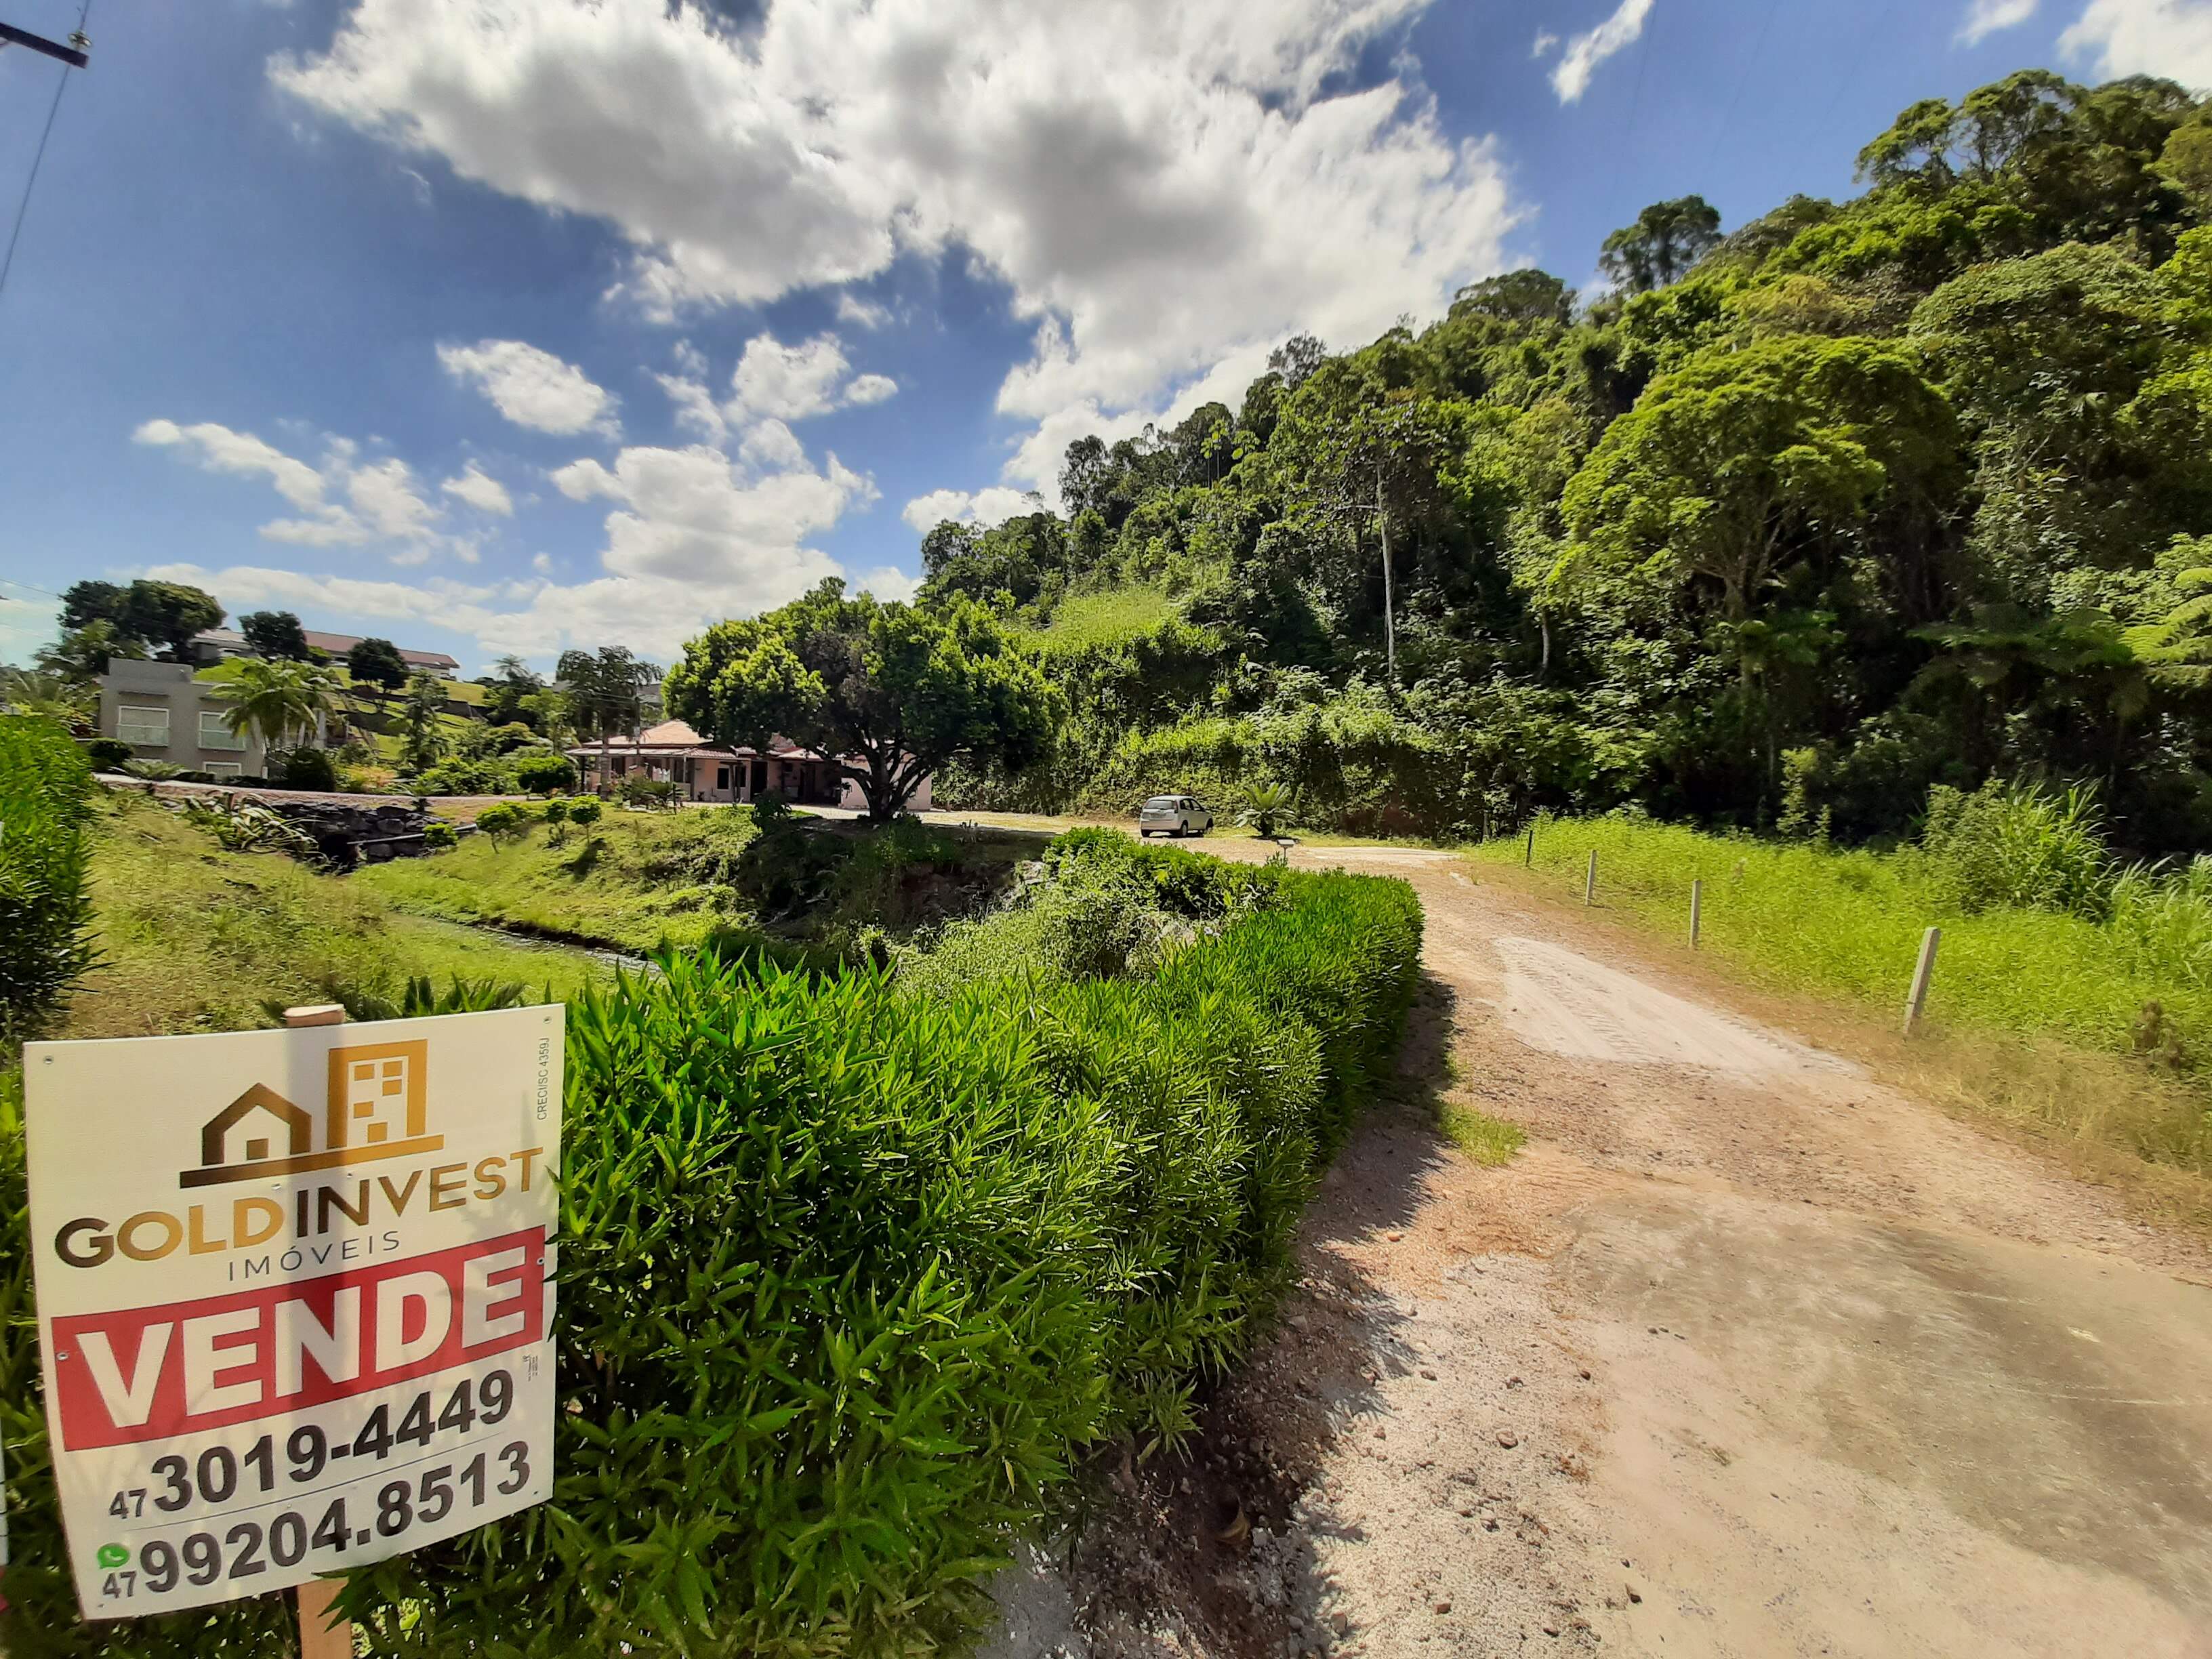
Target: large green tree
889 691
377 662
1667 239
605 695
284 703
275 634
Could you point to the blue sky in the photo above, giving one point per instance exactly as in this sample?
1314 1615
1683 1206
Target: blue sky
520 325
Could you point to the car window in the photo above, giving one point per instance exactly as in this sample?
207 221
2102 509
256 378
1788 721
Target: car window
1160 803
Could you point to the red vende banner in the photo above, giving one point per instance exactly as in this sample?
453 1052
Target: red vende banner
150 1373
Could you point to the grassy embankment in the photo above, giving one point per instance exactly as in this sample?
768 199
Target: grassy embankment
2034 1016
637 881
196 939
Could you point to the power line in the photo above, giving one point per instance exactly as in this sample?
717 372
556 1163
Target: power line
1750 68
10 581
23 207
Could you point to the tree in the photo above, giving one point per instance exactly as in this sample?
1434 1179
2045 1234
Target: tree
1296 359
607 694
1517 296
85 603
1085 473
889 691
377 662
1667 239
509 689
275 634
169 614
1743 461
82 654
59 697
421 723
284 703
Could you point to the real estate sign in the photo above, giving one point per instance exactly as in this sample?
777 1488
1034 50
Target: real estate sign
295 1291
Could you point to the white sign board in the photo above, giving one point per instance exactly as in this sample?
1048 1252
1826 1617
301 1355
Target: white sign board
294 1292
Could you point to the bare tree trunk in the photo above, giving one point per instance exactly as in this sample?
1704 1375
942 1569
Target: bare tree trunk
1389 622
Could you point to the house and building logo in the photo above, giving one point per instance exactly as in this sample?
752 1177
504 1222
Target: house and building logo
377 1107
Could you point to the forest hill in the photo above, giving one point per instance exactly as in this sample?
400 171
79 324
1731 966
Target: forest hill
1795 524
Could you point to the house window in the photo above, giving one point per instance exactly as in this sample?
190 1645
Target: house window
214 734
223 769
721 777
142 726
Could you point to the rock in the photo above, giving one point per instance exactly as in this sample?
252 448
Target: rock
1381 1434
1340 1623
1508 1439
1393 1238
1428 1374
1444 1606
1512 1382
1586 1377
1632 1596
1551 1630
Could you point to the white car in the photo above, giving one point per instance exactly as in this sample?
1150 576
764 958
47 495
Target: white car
1174 815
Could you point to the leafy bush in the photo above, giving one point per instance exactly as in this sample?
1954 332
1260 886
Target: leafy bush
849 1279
2014 844
439 836
303 769
482 774
501 821
585 812
542 773
46 914
106 753
638 790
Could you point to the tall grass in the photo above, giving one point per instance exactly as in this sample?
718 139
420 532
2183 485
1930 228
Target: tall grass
2075 950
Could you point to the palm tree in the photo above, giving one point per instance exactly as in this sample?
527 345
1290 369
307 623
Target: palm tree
276 700
1264 803
29 691
420 719
606 694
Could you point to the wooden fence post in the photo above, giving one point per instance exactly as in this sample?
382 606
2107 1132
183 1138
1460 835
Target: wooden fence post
1922 973
320 1638
1697 905
1528 858
1589 880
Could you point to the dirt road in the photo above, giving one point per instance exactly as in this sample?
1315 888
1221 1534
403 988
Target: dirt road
1744 1354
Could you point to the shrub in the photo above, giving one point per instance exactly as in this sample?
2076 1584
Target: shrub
585 812
46 914
850 1278
657 794
501 821
106 753
2015 844
439 836
541 774
459 775
303 769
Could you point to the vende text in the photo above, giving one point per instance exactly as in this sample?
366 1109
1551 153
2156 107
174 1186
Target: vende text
151 1373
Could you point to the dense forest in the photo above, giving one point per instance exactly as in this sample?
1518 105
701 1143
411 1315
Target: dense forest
1795 523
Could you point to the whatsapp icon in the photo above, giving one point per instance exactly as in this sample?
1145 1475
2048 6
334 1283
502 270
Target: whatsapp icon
113 1555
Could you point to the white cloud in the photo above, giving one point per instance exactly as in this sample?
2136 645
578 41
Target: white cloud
2170 39
871 389
861 314
477 488
1545 42
25 623
530 387
888 583
1160 189
981 507
221 450
695 408
772 445
1586 51
1986 17
381 501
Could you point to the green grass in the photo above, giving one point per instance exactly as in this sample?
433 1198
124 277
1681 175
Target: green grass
196 939
637 881
1085 620
1798 917
1489 1141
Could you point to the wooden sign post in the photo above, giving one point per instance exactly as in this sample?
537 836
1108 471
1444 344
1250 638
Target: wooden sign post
1697 907
1589 880
1922 971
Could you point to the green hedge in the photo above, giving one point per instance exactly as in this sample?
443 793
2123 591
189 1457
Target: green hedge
46 914
850 1278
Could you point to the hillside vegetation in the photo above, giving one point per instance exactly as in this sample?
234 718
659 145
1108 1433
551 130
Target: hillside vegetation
1801 521
190 936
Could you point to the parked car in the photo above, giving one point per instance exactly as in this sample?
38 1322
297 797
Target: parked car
1174 815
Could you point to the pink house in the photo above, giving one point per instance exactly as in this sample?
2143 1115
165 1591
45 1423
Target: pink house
673 752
